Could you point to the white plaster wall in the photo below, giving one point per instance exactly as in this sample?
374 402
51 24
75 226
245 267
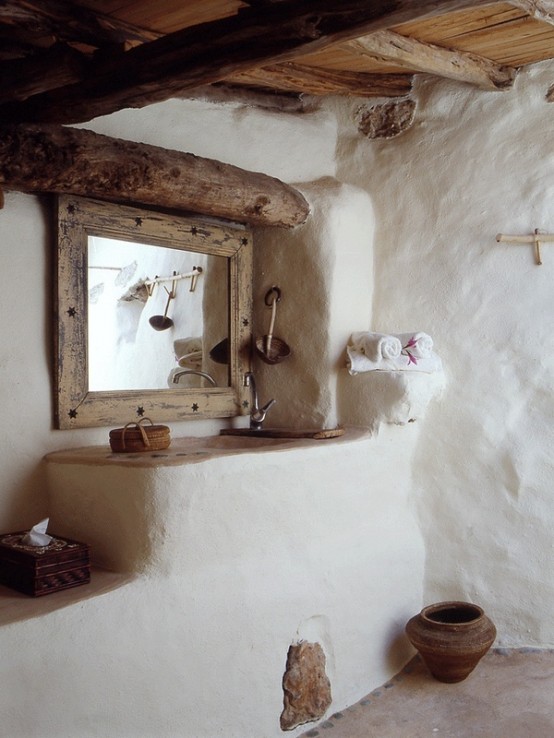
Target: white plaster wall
292 147
238 558
472 165
201 652
475 164
325 271
295 148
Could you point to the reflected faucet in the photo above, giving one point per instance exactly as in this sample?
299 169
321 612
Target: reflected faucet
257 414
207 376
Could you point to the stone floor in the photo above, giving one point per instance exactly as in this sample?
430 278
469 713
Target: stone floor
509 695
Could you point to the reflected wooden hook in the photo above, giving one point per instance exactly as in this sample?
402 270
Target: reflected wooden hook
194 278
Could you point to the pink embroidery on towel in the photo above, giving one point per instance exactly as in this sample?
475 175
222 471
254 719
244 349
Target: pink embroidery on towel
406 350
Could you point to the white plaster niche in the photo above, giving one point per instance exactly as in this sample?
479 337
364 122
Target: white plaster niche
232 553
325 271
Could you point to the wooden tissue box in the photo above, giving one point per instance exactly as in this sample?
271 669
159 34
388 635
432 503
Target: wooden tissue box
39 570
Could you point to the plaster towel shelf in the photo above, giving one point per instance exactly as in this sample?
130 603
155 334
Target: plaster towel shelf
394 397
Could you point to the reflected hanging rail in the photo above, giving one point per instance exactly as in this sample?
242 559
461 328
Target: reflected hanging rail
193 276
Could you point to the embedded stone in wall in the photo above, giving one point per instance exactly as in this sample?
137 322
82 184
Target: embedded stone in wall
387 120
306 685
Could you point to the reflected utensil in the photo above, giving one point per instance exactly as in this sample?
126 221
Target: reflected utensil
162 322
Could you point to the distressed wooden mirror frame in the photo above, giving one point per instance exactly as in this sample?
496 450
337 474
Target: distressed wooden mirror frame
76 406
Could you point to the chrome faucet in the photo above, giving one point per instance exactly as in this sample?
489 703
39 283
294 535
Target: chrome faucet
257 414
207 376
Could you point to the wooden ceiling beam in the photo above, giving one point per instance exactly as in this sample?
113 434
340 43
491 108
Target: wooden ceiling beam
76 161
23 77
317 81
387 46
256 37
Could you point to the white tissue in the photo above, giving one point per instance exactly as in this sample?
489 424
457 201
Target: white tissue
37 536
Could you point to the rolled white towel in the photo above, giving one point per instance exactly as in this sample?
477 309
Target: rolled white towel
369 351
376 346
188 351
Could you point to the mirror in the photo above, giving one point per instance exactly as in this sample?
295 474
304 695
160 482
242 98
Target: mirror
153 315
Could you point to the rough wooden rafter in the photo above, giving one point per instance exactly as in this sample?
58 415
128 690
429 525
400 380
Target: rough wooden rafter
57 66
256 37
315 81
288 102
424 57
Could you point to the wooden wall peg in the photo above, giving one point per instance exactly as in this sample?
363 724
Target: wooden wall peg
537 238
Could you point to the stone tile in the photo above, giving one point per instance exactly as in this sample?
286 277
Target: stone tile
509 695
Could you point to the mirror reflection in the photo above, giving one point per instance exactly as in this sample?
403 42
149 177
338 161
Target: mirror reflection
155 314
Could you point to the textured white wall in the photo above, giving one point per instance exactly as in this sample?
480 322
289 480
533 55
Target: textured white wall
235 556
267 549
257 140
475 164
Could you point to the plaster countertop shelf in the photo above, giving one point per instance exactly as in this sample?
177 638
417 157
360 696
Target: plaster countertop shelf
16 607
194 450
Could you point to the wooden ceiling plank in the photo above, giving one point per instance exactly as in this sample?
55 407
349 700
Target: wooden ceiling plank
493 44
432 59
205 54
542 10
69 22
311 80
338 57
458 24
172 15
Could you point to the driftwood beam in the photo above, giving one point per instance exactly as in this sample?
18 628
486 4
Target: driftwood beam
80 162
411 54
200 55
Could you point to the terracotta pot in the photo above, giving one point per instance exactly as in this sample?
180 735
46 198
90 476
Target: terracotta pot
451 637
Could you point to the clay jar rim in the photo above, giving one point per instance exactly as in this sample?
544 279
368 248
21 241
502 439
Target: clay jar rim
460 615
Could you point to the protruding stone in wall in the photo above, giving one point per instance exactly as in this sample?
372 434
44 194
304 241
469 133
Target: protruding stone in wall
306 685
386 120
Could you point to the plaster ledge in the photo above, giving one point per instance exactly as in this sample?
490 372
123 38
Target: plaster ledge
193 450
16 607
138 510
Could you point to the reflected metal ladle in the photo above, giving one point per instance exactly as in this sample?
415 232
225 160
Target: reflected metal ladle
162 322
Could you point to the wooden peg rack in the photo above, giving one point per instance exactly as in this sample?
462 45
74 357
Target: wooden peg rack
537 238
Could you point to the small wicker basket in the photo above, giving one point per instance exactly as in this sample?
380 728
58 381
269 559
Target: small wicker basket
136 437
